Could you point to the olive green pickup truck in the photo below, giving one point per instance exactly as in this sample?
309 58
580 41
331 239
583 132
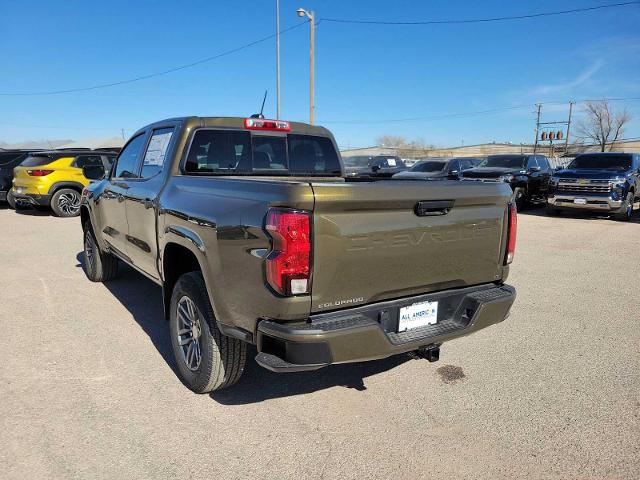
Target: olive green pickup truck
256 237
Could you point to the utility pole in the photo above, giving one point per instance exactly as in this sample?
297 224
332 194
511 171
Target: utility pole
566 140
278 58
122 132
312 23
535 145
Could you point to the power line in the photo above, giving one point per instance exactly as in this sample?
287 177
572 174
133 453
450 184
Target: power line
156 74
470 114
481 20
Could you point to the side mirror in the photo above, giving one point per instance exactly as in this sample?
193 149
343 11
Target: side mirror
93 172
534 169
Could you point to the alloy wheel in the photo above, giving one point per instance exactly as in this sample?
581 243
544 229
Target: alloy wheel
69 203
189 332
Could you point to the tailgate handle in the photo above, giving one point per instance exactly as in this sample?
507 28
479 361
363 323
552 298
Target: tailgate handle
430 208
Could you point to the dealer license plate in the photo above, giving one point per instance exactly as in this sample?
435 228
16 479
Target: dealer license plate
418 315
580 201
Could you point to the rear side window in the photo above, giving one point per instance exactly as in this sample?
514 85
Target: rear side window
36 161
88 161
156 152
239 152
128 159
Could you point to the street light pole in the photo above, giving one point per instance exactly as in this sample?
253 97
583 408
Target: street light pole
278 58
311 16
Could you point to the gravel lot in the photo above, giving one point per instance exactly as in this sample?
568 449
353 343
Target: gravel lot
88 389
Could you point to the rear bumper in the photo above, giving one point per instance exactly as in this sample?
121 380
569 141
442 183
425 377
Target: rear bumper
594 202
33 199
370 332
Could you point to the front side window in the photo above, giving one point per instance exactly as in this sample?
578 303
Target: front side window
532 163
156 152
127 163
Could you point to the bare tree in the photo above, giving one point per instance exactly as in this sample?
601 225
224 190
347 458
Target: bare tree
406 148
602 125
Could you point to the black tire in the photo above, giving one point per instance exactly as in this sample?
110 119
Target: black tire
519 197
221 359
11 200
99 266
66 203
627 207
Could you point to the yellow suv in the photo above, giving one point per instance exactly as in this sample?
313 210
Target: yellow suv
54 179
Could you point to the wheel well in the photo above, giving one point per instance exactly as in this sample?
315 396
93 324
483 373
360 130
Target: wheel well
72 186
176 261
84 216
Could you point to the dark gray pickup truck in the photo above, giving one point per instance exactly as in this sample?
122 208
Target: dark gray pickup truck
256 237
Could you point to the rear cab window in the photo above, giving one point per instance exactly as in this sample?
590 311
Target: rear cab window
236 152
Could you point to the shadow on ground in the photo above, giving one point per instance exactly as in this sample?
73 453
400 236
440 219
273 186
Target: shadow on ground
143 299
34 212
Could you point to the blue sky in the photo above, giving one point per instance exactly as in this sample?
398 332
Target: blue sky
365 74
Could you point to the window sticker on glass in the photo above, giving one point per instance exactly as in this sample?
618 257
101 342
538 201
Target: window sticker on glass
157 149
391 162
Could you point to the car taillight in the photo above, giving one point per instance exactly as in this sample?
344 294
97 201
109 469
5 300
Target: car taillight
512 230
289 263
262 124
39 173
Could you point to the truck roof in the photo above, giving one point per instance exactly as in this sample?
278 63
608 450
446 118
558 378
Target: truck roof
235 122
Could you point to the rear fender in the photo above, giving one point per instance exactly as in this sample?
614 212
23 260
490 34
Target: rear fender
58 185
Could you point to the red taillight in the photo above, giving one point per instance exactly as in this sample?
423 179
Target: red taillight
512 230
289 263
39 173
262 124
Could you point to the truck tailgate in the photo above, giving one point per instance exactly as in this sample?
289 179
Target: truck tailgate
371 245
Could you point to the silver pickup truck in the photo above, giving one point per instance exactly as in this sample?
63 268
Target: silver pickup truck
256 237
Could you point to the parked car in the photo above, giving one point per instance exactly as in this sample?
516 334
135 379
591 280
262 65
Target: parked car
436 168
9 159
255 236
54 179
527 174
598 182
379 166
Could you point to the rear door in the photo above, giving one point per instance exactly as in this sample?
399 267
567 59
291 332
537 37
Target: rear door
111 207
373 241
142 198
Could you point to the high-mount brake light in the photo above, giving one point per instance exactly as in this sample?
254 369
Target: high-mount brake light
39 173
512 230
289 263
262 124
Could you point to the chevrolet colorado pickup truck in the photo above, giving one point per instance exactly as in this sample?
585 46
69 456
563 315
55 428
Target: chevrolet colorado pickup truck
256 237
597 182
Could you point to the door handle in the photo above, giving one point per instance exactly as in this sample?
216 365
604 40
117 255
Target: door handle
433 208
